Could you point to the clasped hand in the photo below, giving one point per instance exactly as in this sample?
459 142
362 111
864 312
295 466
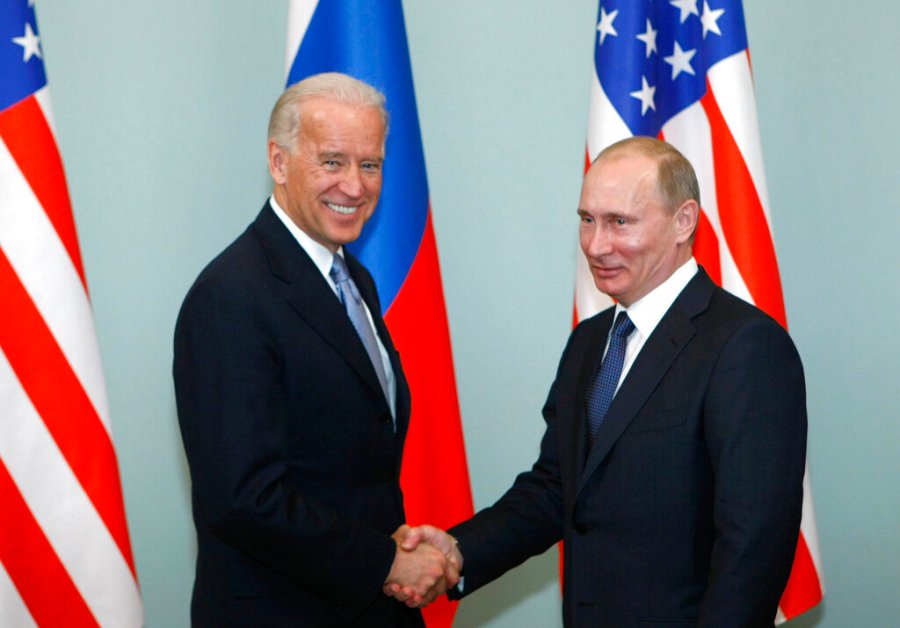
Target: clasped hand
427 563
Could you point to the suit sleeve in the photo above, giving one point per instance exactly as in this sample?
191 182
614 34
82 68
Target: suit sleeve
232 409
755 428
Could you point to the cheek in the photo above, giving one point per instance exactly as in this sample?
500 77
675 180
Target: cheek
632 245
363 218
303 186
373 188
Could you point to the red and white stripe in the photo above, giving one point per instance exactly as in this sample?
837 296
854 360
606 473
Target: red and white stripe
720 137
65 555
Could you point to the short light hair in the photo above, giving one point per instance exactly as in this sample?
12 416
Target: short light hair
287 114
676 181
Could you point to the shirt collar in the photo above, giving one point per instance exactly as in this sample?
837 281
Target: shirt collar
647 311
319 253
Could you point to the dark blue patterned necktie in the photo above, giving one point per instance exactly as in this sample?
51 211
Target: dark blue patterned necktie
603 388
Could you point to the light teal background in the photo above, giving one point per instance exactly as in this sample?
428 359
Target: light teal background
161 112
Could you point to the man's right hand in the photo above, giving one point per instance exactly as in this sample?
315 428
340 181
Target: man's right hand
430 541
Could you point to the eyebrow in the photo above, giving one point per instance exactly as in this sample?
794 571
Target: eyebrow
339 155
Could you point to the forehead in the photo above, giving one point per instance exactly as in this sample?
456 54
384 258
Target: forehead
618 178
325 119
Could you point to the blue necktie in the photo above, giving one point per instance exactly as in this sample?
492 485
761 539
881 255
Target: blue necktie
352 300
603 388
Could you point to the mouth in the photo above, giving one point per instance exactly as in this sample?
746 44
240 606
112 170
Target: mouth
342 209
604 271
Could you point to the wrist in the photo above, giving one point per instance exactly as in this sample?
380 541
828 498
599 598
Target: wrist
456 555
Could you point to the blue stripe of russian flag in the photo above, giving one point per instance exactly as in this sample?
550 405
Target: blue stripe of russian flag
367 40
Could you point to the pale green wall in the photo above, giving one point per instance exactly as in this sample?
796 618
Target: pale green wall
161 110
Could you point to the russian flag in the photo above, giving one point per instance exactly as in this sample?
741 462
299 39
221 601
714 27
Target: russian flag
367 40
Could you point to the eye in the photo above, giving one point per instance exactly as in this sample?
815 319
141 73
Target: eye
331 163
371 166
586 219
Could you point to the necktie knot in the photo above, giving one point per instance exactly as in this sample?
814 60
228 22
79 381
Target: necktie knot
624 326
340 275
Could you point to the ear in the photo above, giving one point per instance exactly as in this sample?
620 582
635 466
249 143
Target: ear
277 163
686 217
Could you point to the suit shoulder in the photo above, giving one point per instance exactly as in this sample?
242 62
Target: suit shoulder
241 261
233 276
729 308
732 317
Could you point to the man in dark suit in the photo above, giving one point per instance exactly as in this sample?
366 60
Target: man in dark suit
680 505
291 398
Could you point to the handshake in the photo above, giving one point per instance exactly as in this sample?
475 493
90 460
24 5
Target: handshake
427 563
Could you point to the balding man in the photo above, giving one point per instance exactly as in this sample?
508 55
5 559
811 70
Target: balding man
672 463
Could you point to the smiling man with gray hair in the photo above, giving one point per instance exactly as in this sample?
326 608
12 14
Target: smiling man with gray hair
291 398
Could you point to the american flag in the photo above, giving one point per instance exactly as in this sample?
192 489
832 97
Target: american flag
367 40
65 555
680 71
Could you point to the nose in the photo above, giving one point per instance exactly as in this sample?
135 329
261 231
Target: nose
352 184
596 243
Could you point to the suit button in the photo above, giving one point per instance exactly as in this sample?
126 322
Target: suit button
581 529
385 418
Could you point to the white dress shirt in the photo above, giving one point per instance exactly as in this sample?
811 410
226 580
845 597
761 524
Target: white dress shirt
647 311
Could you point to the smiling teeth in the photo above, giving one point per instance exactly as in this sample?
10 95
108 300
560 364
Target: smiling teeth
341 209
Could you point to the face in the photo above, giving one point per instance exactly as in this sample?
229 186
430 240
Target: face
329 183
632 242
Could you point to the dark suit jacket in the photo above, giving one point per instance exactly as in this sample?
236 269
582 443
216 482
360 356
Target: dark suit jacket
293 456
686 510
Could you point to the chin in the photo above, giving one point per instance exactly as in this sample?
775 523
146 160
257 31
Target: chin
606 287
346 236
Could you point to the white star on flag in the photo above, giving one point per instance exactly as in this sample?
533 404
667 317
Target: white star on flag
710 18
687 8
31 44
645 95
649 38
606 24
680 60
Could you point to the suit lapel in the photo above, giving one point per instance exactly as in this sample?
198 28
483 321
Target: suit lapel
669 338
311 296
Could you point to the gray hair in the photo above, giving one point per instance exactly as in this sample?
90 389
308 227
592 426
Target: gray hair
284 122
